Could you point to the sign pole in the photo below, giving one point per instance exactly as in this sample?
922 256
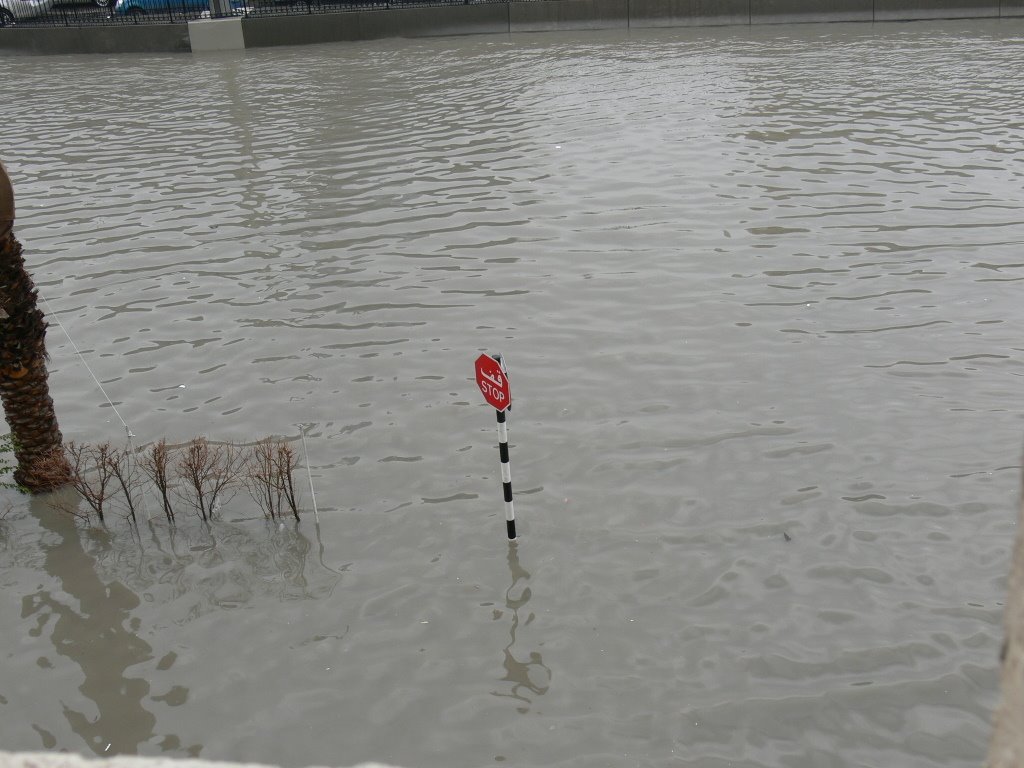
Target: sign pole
492 378
506 476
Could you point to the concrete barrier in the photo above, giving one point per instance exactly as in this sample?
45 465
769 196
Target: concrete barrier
216 35
300 30
688 13
66 760
134 38
1011 8
919 10
552 15
479 19
795 11
482 19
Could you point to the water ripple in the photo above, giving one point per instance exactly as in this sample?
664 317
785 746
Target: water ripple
757 291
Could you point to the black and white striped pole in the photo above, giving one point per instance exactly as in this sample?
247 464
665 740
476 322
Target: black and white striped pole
492 378
506 476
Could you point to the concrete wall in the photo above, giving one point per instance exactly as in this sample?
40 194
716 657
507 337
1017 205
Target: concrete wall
555 15
568 14
916 10
688 13
792 11
135 38
562 15
486 18
299 30
216 35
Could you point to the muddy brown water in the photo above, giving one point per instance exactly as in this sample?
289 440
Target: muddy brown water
759 291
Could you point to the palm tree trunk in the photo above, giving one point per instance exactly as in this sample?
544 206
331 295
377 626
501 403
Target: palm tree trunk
23 377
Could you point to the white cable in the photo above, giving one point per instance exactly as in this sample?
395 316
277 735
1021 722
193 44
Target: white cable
309 473
127 429
81 357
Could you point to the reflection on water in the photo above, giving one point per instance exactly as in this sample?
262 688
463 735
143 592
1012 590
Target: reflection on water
90 622
90 614
528 676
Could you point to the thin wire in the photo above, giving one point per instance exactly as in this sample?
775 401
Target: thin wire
127 429
81 357
309 473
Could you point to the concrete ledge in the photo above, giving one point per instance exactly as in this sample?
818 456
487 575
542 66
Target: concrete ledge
132 38
65 760
917 10
216 35
300 30
482 19
790 11
490 18
688 13
551 15
1009 9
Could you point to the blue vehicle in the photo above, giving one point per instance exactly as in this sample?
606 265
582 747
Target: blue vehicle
189 9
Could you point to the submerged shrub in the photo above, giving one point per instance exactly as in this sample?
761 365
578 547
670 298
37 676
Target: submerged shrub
200 474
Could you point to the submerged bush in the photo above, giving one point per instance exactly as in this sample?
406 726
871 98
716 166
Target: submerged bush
202 475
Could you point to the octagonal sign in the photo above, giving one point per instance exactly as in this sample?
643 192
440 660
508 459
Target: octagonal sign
493 382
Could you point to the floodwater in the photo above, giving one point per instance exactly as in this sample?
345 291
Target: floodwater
759 292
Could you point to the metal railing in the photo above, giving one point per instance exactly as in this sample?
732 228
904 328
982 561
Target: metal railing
86 13
82 13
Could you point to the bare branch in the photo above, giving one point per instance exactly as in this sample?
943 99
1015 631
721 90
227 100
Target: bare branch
228 461
90 471
258 476
208 471
155 463
285 461
194 465
125 471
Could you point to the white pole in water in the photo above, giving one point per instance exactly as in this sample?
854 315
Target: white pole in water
309 472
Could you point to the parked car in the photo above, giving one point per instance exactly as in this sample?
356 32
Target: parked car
79 3
190 8
13 10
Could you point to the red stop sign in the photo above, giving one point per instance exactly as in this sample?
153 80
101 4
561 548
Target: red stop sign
493 382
